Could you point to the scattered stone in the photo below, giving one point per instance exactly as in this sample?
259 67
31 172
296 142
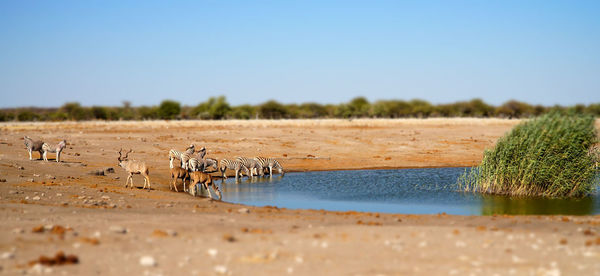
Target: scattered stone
212 252
109 170
97 172
2 180
12 192
7 255
36 175
36 198
221 269
229 238
116 177
106 197
171 232
113 205
59 259
118 229
243 211
31 180
159 233
147 261
38 229
58 194
48 176
18 231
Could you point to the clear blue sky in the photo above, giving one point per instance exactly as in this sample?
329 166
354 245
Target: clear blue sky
104 52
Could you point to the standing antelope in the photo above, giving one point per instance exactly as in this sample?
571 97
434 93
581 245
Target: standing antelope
134 167
178 173
206 180
57 149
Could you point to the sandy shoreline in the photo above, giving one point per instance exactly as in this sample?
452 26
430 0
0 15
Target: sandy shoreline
193 236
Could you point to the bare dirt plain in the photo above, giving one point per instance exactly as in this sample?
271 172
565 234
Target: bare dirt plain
117 231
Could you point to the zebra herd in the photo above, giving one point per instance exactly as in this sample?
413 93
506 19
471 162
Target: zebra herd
191 161
241 165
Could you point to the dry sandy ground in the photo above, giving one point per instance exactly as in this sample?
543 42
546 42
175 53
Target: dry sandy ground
116 231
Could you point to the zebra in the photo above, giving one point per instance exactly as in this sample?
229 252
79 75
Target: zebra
225 164
33 146
270 163
173 154
55 149
210 162
195 164
253 165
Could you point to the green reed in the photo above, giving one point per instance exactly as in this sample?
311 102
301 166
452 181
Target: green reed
554 155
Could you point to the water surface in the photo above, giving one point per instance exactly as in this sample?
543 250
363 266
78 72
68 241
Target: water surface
407 191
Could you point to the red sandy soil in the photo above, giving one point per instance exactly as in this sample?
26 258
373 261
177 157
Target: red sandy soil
110 229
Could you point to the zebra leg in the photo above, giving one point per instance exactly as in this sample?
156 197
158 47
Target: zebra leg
30 157
171 162
57 156
44 156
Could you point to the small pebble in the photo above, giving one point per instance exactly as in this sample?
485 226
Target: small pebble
212 252
36 198
7 255
118 229
147 261
221 269
243 211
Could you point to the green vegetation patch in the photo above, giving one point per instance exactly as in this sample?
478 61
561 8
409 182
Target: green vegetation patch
554 155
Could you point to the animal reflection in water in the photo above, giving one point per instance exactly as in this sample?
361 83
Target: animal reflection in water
255 180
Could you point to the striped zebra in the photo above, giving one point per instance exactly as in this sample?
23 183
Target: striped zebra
33 145
225 164
210 162
270 163
196 164
253 165
46 148
173 154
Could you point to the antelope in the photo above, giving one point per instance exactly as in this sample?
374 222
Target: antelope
206 180
179 173
134 167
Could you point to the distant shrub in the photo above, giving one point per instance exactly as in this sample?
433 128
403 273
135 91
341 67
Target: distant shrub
272 110
245 111
148 112
169 109
26 115
552 156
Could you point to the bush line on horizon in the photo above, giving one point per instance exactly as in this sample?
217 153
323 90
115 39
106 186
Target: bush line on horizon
555 155
217 108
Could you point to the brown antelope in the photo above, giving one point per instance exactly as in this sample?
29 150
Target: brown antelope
206 180
179 173
134 167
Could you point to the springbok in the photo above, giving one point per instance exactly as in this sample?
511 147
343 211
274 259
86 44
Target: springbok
134 167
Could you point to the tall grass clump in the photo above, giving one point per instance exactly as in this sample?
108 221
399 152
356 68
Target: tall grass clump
554 155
